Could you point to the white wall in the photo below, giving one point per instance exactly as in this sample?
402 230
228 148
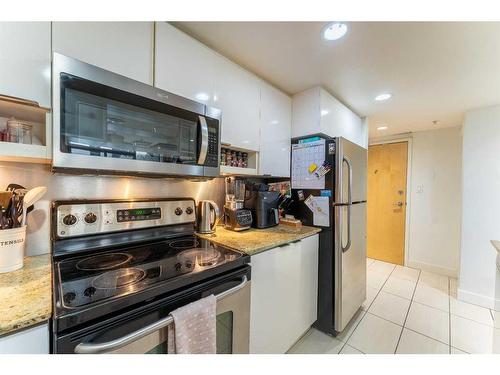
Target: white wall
62 186
435 197
434 210
479 279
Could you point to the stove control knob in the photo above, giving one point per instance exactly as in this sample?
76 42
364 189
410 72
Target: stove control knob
69 219
89 292
178 211
178 267
90 218
189 210
68 297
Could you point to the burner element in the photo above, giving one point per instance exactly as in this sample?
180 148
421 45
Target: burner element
118 278
103 262
208 257
184 244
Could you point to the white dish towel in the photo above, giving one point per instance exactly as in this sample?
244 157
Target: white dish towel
193 330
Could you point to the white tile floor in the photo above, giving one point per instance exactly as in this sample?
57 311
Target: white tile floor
410 311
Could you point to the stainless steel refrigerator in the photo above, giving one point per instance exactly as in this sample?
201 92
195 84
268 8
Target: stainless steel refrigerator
336 202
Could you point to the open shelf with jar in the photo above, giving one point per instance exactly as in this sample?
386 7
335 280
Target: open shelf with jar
238 161
24 134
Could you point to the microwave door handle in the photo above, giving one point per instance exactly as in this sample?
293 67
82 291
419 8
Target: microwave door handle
202 122
88 348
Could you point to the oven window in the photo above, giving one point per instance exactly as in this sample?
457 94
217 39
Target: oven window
224 336
224 331
97 120
159 349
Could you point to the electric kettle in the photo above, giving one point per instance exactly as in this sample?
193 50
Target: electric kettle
208 216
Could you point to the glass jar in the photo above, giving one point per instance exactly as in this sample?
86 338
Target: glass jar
19 132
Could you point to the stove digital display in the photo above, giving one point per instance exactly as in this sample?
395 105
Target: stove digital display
137 214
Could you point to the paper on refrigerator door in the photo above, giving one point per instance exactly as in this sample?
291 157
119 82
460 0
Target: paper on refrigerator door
304 155
320 207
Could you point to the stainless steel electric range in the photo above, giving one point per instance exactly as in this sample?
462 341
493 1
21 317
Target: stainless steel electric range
121 266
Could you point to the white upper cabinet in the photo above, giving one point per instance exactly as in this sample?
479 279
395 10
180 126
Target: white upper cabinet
188 68
183 65
316 111
25 60
238 96
125 48
275 132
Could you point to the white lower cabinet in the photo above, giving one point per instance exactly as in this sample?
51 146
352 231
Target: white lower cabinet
31 341
284 295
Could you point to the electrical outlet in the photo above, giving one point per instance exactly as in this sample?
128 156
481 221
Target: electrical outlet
420 188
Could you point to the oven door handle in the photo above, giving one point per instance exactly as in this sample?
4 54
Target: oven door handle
89 348
204 140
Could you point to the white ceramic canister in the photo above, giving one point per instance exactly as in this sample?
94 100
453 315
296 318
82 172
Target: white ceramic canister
12 243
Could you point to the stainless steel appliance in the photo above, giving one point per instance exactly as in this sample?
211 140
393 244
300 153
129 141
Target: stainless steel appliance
236 217
342 241
208 216
120 268
106 123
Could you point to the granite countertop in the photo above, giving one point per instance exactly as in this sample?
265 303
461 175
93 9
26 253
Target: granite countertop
254 241
25 295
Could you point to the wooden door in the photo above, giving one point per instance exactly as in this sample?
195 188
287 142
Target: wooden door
387 168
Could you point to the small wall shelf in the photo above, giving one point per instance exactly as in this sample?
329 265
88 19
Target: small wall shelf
39 118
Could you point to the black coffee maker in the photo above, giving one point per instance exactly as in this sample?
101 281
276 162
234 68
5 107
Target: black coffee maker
263 204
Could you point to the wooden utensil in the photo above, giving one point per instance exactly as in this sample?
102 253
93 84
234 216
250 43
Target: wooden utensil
5 198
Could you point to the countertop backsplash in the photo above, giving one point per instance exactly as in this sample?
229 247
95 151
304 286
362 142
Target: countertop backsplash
65 186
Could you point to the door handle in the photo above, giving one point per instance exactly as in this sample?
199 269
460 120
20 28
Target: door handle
349 204
349 180
204 140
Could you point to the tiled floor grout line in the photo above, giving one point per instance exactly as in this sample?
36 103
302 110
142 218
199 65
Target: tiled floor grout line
366 312
347 338
408 312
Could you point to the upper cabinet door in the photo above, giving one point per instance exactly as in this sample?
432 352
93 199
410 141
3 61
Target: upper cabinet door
183 65
25 60
238 96
125 48
275 133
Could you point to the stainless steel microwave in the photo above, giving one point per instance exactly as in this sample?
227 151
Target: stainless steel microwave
105 123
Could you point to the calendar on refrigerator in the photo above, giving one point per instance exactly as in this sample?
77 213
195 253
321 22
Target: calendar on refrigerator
305 156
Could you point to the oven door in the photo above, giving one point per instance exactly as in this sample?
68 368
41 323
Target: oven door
146 332
105 122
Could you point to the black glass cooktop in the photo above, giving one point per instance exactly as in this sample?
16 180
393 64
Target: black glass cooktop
92 279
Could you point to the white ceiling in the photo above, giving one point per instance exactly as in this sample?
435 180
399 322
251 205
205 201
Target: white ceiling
435 70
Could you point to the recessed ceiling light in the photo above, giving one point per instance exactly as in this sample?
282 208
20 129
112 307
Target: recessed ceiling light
334 31
382 97
382 127
324 112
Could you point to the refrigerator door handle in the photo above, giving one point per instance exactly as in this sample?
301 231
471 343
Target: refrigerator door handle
349 204
349 180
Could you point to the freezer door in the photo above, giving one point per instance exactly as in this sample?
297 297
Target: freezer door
350 262
351 177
